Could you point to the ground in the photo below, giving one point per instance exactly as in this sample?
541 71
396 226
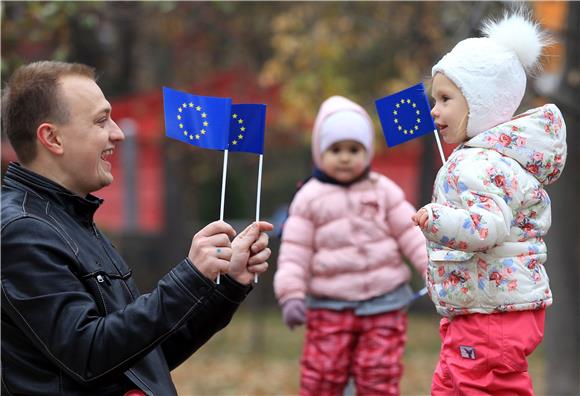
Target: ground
257 355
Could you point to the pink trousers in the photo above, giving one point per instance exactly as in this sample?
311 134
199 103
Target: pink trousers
487 354
339 344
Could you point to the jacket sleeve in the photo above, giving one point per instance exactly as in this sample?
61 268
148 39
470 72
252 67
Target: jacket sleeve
409 238
49 303
296 250
199 328
477 215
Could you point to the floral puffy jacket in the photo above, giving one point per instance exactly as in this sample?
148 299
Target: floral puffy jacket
489 215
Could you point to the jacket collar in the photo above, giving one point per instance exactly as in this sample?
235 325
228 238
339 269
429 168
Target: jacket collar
318 174
536 139
82 208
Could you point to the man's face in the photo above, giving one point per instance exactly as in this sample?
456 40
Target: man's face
88 137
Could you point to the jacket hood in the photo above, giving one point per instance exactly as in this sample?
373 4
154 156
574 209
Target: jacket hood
536 139
330 106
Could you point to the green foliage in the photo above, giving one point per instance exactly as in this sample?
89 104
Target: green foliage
356 49
42 30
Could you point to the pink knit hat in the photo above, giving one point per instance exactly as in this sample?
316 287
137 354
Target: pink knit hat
341 119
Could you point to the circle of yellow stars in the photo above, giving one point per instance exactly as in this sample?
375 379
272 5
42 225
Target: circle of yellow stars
406 102
191 135
242 129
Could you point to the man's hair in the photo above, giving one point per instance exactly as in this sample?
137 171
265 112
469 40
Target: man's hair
32 97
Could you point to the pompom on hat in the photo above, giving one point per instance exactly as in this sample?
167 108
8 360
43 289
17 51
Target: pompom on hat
491 71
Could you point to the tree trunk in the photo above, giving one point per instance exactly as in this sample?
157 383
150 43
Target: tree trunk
562 324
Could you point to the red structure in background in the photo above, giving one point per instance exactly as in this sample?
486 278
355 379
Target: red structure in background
146 111
401 166
400 163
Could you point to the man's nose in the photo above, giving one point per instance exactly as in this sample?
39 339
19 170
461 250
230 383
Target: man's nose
116 133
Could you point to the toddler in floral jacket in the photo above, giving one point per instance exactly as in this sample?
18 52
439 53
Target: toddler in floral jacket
490 211
341 267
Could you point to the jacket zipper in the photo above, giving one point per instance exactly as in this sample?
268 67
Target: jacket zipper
101 279
94 227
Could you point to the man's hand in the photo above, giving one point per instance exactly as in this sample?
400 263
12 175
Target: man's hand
211 249
421 218
250 252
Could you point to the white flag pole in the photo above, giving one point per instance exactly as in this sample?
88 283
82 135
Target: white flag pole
224 174
258 194
423 291
440 147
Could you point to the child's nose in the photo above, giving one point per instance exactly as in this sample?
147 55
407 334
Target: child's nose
435 112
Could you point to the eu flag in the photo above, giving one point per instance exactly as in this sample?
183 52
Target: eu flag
405 115
201 121
247 124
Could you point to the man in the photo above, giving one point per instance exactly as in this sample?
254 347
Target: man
73 321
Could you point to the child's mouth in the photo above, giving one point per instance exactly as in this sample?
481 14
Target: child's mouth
441 127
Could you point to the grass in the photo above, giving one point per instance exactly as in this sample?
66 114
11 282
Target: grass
257 355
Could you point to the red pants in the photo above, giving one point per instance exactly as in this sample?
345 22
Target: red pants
339 344
487 354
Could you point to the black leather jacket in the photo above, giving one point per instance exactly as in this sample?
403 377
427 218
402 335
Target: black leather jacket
73 321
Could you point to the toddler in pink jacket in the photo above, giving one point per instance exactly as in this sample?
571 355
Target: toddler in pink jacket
341 267
490 211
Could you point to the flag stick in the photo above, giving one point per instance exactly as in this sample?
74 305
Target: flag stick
418 295
439 145
423 291
224 173
258 194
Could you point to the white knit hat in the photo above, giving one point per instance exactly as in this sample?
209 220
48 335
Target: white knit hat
491 71
345 125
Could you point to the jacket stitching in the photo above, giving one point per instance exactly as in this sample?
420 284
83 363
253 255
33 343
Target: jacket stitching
103 241
6 386
37 218
102 298
75 249
182 286
77 375
140 380
24 202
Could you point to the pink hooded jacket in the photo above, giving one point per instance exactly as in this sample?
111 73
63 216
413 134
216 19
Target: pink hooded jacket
347 243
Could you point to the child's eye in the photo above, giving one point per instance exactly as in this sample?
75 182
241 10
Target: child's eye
354 150
335 150
445 98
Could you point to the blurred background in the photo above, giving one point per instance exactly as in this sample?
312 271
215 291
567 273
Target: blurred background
290 56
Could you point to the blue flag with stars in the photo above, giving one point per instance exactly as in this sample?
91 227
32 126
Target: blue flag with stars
247 125
405 115
201 121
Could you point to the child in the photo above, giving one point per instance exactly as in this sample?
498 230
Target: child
490 211
341 267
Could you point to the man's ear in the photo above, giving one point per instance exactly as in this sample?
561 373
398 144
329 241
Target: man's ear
49 137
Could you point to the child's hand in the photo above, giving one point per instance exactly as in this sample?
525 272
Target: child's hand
421 218
294 312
